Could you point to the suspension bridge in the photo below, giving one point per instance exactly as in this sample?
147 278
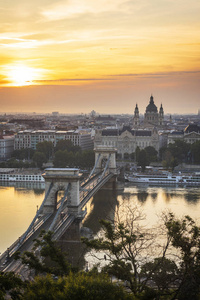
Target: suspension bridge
57 215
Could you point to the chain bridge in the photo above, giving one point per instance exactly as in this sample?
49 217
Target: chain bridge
57 215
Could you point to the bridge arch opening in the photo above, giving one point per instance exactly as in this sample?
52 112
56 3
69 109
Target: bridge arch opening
103 162
59 194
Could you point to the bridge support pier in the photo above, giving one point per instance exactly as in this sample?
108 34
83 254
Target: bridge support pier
60 179
105 154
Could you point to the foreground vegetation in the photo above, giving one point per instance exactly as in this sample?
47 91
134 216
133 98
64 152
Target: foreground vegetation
147 264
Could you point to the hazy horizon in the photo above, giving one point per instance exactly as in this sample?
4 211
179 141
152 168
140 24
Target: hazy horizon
76 56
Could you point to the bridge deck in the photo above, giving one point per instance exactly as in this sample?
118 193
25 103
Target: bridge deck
88 188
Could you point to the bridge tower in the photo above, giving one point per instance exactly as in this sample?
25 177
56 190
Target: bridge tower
62 179
103 155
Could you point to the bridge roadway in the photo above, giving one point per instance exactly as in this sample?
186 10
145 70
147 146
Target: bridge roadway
88 188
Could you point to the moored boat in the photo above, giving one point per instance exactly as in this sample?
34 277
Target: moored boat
165 179
10 177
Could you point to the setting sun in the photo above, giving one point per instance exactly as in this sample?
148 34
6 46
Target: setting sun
22 75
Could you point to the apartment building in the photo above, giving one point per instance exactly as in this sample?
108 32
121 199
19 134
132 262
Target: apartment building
6 146
30 138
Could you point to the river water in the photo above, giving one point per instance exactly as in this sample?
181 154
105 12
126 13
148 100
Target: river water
19 204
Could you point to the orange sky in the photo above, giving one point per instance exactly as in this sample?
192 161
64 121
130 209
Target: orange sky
79 55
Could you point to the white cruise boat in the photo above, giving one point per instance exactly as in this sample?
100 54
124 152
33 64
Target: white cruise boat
10 177
168 179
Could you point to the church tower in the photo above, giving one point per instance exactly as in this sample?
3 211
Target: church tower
161 115
136 116
151 114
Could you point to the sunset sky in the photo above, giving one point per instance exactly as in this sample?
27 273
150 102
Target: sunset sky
74 56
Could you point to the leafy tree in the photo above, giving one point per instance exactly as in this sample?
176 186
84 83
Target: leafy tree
49 259
151 153
185 237
46 148
10 286
84 286
195 152
164 276
179 150
167 159
142 159
39 158
66 145
124 245
23 154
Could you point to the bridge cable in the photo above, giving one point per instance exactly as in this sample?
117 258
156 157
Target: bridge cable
37 214
106 167
92 172
60 208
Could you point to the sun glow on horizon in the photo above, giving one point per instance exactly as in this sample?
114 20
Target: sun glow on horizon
21 75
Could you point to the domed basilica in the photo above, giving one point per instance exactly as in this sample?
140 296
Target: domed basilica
152 118
142 134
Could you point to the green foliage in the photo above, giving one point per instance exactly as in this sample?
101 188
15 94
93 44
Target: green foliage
123 245
169 162
23 154
195 152
49 259
66 145
39 158
14 163
179 150
151 153
46 148
185 237
142 159
10 285
83 159
165 273
81 286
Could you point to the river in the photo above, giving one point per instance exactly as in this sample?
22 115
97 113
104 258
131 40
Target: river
19 204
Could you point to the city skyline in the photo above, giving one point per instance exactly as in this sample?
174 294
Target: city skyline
76 56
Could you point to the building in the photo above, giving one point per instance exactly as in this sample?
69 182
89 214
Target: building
6 146
30 138
127 140
190 134
152 118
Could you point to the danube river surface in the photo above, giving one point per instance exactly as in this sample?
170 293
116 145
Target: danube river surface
19 204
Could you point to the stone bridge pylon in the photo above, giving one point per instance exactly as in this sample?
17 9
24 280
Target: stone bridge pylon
63 179
105 155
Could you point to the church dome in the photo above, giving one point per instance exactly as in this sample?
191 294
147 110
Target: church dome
151 107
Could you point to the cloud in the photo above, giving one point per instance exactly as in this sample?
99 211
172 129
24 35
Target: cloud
160 74
63 9
72 79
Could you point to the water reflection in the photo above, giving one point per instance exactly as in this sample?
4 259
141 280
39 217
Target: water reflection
19 202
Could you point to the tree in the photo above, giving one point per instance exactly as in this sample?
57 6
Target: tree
49 259
10 286
164 276
84 286
39 158
179 150
142 159
151 153
46 148
195 152
185 237
66 145
124 245
23 154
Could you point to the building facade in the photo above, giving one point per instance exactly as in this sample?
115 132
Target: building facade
30 138
190 135
127 140
6 146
